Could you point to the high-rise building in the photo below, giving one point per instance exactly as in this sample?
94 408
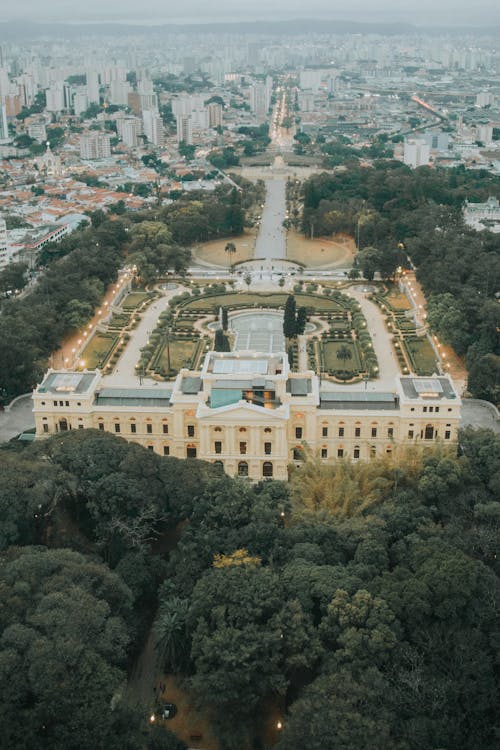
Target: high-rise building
214 110
80 102
129 129
4 252
153 126
259 100
37 128
95 145
184 129
416 153
118 92
92 87
485 134
55 98
4 130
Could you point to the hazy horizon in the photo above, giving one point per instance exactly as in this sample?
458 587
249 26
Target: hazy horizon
425 13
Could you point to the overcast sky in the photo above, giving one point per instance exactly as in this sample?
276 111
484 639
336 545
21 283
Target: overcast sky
421 12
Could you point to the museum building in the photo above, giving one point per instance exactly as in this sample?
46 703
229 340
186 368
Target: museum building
250 414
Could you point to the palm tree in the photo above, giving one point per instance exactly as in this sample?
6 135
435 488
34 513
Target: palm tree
172 643
230 249
344 353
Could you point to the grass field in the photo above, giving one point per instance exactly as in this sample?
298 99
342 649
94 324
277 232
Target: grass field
397 300
321 252
421 355
181 353
320 304
214 253
134 299
332 362
98 349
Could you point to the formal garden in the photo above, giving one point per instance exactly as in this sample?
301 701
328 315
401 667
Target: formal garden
413 349
109 340
340 348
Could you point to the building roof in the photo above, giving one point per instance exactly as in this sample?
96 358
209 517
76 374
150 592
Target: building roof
426 388
360 400
133 397
66 383
299 386
190 385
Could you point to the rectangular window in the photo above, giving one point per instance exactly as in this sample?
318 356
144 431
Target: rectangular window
61 403
166 450
357 432
324 453
425 408
243 448
267 449
117 428
218 446
80 427
133 428
150 448
149 429
101 425
324 432
45 427
341 432
298 432
356 453
436 409
340 453
431 408
374 432
165 429
66 403
410 434
447 434
390 432
190 430
191 453
55 403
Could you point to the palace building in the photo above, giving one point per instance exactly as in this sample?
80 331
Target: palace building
250 414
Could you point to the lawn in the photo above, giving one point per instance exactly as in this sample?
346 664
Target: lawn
333 363
134 299
213 252
421 355
321 252
397 300
181 354
98 348
249 299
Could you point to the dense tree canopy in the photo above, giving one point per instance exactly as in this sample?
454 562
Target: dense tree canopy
396 213
360 599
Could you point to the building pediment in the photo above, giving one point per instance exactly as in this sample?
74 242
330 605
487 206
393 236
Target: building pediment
243 413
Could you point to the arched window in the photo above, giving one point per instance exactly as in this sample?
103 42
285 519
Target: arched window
429 432
267 429
243 429
267 469
219 465
242 469
217 429
63 425
356 451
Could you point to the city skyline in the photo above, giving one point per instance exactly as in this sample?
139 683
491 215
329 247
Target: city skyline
154 12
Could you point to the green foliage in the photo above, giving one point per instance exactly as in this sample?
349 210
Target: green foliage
62 650
394 212
366 605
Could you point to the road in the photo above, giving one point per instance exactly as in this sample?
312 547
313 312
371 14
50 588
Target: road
271 239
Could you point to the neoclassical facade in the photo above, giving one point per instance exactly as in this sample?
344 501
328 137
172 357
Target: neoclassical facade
250 413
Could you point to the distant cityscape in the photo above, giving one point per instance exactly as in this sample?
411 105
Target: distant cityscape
97 121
